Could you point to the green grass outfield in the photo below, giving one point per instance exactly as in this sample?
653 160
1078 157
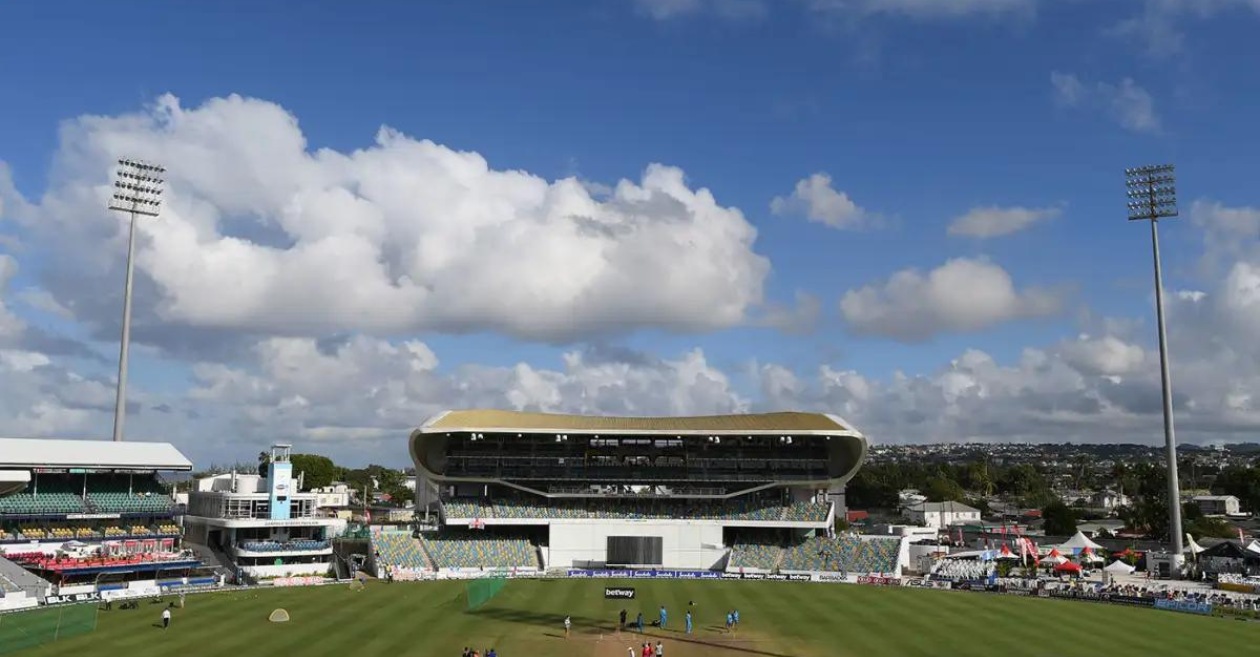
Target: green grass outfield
779 619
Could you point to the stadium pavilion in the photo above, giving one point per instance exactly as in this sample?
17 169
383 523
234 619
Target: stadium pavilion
88 516
566 491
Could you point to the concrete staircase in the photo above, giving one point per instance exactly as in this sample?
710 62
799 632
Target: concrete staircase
16 578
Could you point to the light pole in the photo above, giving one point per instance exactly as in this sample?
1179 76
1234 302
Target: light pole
1152 192
138 192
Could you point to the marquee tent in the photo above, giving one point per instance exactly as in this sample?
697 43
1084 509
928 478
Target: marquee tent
1067 567
1115 569
1119 567
1079 542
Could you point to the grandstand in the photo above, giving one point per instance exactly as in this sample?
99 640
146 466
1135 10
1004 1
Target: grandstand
845 553
531 490
77 509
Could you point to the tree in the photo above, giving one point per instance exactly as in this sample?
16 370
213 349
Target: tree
1059 519
872 488
1241 482
982 478
1210 527
941 489
317 471
1148 483
1023 481
399 495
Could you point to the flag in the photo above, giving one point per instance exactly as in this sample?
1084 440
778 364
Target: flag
1240 536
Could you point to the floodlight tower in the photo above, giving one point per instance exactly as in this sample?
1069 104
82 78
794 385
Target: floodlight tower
1152 192
138 192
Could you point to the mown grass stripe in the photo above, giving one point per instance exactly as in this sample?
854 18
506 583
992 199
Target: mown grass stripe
794 619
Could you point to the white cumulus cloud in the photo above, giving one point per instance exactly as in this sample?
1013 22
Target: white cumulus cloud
261 233
1159 26
994 221
11 326
815 199
961 295
1126 103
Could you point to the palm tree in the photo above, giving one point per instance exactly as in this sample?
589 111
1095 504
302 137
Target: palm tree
984 478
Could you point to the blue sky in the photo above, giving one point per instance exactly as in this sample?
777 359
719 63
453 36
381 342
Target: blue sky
916 117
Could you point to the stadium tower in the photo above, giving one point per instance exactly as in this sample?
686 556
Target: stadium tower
262 526
530 490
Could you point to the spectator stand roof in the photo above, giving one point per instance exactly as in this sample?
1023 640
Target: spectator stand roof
13 481
760 423
845 454
27 453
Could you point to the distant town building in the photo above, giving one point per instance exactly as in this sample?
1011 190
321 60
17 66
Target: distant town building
1108 499
333 496
1218 505
941 514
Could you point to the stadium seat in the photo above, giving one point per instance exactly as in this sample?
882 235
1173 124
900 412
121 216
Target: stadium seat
845 553
400 550
287 546
472 550
42 503
630 509
755 555
962 569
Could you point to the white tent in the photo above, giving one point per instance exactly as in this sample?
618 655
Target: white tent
1079 542
1115 569
1119 567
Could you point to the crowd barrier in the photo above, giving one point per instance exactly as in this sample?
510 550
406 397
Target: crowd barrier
713 574
310 580
1185 606
116 595
1239 588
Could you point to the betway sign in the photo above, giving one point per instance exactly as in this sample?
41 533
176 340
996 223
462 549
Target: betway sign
611 593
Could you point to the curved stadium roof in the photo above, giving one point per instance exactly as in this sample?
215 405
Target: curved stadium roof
509 421
845 455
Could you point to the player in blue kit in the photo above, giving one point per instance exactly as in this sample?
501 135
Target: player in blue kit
664 616
688 619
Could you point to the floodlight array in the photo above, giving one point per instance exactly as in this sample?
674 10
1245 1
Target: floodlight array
1152 192
138 188
1150 169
